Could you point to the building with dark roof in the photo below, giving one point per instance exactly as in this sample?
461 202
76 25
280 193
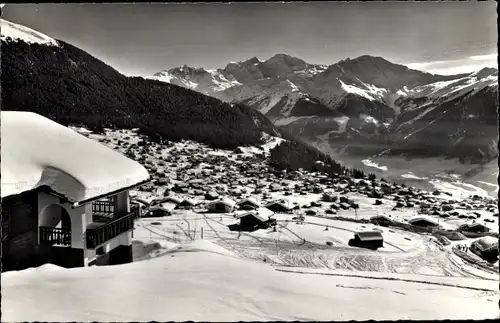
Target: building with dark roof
367 239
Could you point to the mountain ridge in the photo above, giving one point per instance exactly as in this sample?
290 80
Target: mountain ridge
364 88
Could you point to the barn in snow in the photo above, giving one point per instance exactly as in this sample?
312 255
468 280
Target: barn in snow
367 239
254 220
65 198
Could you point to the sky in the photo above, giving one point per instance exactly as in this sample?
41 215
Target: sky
142 39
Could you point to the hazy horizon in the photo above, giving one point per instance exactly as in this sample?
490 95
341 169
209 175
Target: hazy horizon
142 39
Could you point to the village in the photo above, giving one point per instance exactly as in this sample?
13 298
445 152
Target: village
183 224
303 219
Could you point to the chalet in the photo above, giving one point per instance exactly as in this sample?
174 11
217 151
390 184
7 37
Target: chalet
486 248
249 204
254 220
65 198
211 196
381 220
473 228
187 204
160 210
224 205
423 222
345 206
280 206
329 197
173 199
367 239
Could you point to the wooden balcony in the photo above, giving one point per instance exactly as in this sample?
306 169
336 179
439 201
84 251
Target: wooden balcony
98 232
55 236
103 207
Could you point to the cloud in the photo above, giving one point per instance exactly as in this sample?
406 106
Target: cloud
484 57
457 66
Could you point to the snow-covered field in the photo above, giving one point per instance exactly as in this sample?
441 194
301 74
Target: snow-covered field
189 266
201 282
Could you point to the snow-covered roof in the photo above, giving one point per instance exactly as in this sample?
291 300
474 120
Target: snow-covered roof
251 200
381 217
283 202
188 201
473 225
369 235
37 151
486 243
174 198
262 214
224 200
423 218
167 206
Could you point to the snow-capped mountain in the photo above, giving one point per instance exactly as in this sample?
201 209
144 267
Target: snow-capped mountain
365 105
198 79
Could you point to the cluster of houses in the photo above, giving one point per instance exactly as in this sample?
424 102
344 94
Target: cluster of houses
86 224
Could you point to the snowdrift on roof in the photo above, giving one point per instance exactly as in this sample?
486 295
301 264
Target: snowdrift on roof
37 151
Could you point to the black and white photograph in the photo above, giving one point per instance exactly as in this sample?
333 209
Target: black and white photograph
249 161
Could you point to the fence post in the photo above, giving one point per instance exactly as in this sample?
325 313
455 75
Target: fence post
201 233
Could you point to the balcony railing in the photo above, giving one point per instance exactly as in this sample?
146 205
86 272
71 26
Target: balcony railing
103 233
50 235
103 207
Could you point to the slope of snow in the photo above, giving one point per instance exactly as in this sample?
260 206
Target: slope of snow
37 151
369 119
271 142
458 189
370 163
22 33
163 77
454 88
288 120
293 86
202 284
356 90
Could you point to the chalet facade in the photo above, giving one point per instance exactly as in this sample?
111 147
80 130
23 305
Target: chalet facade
249 204
224 205
254 220
280 206
486 248
367 239
161 210
67 204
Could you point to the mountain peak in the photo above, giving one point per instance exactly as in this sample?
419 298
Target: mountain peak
185 69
